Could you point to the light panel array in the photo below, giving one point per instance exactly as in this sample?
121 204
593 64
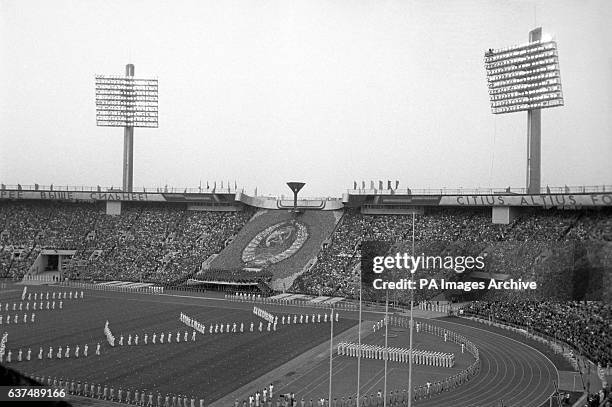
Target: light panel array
125 101
524 77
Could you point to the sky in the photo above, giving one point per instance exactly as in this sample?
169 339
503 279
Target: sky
263 92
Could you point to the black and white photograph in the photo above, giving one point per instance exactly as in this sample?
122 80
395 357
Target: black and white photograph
306 203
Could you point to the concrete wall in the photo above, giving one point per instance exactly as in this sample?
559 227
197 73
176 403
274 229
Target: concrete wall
113 207
503 215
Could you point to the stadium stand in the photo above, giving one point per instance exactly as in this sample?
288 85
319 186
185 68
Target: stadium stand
145 243
167 244
336 271
584 325
318 224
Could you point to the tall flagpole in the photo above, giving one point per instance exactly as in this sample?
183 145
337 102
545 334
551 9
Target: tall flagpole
411 323
331 353
386 354
359 341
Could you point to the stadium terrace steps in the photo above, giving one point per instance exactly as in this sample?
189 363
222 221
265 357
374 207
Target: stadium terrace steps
270 242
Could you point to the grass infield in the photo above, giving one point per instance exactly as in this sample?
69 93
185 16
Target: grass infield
209 368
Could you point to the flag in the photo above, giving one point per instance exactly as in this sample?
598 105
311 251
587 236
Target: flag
396 184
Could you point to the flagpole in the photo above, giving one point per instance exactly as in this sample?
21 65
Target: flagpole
359 341
331 351
411 323
386 354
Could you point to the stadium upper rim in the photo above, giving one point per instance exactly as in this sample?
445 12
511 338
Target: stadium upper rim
576 189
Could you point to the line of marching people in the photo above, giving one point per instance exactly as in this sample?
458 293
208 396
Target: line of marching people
246 297
3 343
307 319
65 295
265 315
31 318
35 306
261 398
448 335
109 335
419 357
58 353
394 320
227 327
164 338
243 297
120 394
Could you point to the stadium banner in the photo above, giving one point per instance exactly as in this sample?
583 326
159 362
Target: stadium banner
82 196
545 200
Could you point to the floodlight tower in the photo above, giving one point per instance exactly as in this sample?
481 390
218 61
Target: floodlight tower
526 77
128 145
124 101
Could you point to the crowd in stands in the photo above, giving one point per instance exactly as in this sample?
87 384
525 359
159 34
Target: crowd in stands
515 246
165 244
236 275
149 243
584 326
602 398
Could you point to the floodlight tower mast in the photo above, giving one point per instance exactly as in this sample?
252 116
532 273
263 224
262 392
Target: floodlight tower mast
534 140
526 77
128 102
128 146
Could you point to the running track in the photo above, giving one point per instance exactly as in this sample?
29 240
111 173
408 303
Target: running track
510 371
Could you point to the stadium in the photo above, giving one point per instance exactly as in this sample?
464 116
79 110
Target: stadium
380 295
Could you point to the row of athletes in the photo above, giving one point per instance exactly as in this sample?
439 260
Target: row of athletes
243 297
16 318
430 389
304 319
289 400
60 295
50 305
234 328
259 398
265 315
419 357
137 397
163 338
286 320
393 320
395 398
223 328
61 352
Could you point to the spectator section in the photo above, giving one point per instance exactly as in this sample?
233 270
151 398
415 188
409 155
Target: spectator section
147 242
440 230
583 325
280 242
